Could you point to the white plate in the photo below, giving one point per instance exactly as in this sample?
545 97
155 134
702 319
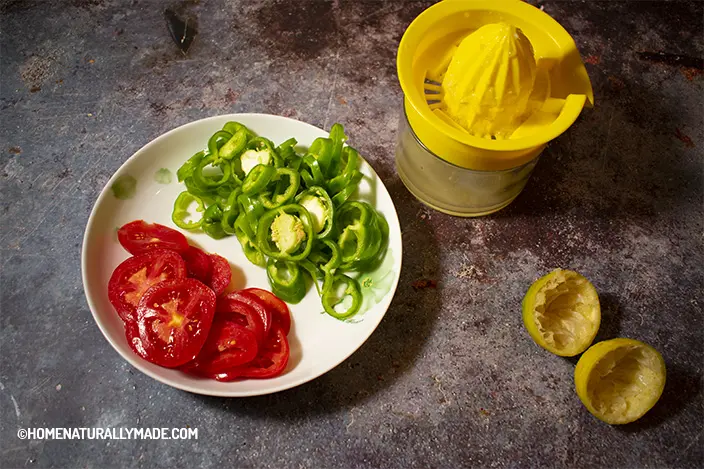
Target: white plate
318 341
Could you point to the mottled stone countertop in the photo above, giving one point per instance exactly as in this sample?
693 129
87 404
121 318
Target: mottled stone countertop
450 378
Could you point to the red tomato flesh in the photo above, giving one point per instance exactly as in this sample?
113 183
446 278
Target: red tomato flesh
279 310
139 236
222 274
270 362
228 345
242 314
131 279
198 264
252 300
173 322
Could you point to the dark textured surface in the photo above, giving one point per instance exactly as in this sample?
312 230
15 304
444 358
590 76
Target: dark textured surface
450 378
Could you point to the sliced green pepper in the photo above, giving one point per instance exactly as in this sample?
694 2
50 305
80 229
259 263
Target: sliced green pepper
320 234
326 263
295 163
306 177
251 158
321 149
331 298
360 237
287 182
180 213
223 193
260 143
208 181
287 151
236 169
286 280
234 127
290 229
312 174
263 143
374 262
338 138
230 212
234 146
243 231
252 209
257 179
187 168
315 273
207 196
351 187
217 140
316 199
350 159
212 225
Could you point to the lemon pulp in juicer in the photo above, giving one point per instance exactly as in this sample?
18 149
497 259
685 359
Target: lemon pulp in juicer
489 81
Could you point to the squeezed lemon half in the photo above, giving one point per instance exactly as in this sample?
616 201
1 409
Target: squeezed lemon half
561 312
619 380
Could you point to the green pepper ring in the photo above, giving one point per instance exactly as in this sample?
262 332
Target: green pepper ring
342 196
231 212
365 230
180 211
252 209
234 146
200 179
251 251
257 179
335 258
219 136
291 288
187 168
329 295
290 192
315 171
265 225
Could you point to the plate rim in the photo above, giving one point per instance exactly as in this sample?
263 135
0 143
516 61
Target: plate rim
135 361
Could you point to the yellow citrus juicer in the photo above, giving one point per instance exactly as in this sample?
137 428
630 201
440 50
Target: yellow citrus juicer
515 44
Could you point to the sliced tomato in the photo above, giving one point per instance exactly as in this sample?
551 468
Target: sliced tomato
198 264
137 274
270 362
139 236
243 314
173 322
228 345
252 300
222 274
280 312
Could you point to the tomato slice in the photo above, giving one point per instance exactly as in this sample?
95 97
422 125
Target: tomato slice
198 264
280 312
270 362
222 274
137 274
242 314
252 300
228 345
173 321
139 236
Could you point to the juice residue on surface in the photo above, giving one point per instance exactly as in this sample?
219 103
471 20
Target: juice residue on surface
487 86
